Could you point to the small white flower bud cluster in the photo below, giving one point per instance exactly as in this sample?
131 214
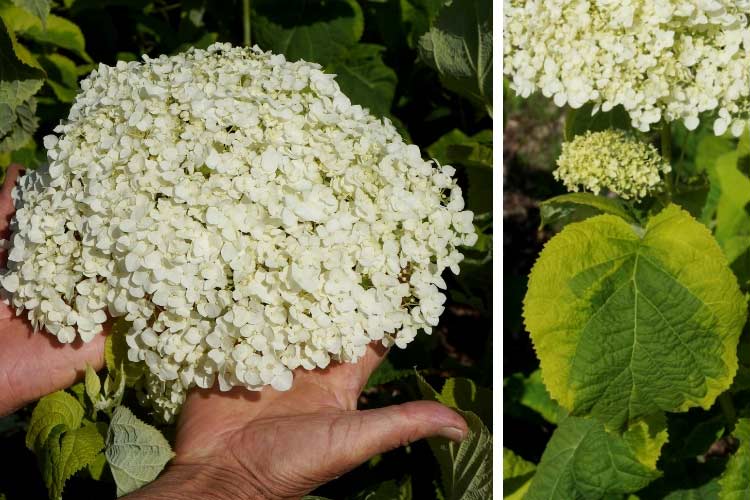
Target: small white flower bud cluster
670 59
611 160
241 214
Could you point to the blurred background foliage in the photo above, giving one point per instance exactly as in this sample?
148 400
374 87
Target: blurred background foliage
533 132
426 65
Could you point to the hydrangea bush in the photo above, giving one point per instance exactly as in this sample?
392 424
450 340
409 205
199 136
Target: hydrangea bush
637 305
241 214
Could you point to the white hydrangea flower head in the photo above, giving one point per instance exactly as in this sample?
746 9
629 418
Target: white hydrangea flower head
660 59
241 214
612 160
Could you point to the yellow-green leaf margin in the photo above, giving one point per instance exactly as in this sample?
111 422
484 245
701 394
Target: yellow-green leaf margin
629 321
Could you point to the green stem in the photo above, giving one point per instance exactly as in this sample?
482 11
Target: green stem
246 22
727 408
666 141
666 153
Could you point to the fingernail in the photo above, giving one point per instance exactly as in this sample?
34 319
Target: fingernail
453 433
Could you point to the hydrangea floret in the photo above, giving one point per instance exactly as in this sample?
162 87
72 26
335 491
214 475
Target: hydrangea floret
613 160
661 60
241 214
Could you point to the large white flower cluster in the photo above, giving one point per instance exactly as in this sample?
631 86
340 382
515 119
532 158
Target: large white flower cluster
241 213
670 59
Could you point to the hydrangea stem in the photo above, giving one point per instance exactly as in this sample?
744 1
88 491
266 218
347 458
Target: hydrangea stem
666 153
246 22
666 141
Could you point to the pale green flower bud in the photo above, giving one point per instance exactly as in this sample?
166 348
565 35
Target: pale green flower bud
611 160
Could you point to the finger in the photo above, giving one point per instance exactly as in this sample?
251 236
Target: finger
6 205
364 434
6 202
346 380
375 355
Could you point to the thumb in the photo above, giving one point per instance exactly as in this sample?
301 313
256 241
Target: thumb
6 202
6 205
371 432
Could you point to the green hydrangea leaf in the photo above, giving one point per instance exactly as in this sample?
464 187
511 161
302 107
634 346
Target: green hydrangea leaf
114 389
17 19
116 353
62 33
646 438
630 321
62 75
531 393
385 19
21 125
92 384
18 83
719 150
40 8
24 54
417 16
732 220
575 207
79 391
136 452
63 93
730 195
28 155
464 394
466 467
517 474
735 482
707 491
455 147
58 31
56 409
474 154
459 47
709 149
584 460
386 373
66 452
365 78
96 467
313 31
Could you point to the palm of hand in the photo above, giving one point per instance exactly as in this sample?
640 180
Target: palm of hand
288 443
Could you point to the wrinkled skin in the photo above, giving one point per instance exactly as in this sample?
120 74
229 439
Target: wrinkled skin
238 444
284 444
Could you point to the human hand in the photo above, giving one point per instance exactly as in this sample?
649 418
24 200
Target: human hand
277 445
34 364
